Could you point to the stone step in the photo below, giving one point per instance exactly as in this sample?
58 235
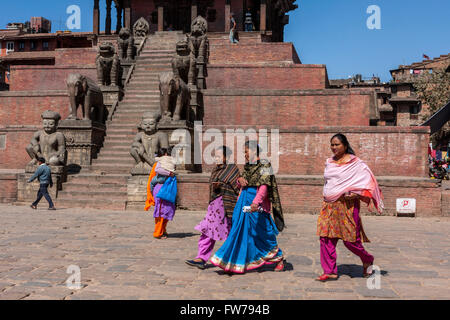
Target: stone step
143 85
106 204
147 81
133 118
148 93
149 72
117 125
135 109
137 105
151 59
116 136
138 94
75 187
130 111
148 50
116 161
114 131
107 154
93 178
114 143
112 168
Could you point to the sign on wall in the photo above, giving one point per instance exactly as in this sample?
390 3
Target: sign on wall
406 205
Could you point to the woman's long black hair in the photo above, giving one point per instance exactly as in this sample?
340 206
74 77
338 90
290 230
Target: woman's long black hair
343 139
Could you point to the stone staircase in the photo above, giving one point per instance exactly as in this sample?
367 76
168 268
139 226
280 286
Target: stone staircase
105 184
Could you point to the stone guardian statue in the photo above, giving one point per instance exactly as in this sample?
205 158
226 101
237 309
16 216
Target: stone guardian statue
47 143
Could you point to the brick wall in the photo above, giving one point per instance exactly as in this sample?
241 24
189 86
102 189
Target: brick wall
8 187
295 77
31 77
27 78
253 53
75 57
388 151
26 107
286 108
14 155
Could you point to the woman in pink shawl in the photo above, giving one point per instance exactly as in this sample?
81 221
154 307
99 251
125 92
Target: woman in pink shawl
347 181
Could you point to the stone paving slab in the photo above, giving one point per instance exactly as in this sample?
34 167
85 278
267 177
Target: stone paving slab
119 259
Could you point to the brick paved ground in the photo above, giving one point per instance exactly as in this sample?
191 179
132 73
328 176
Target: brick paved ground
119 259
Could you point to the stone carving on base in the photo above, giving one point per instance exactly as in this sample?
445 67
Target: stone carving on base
175 97
140 30
199 53
108 65
84 92
126 45
147 143
47 143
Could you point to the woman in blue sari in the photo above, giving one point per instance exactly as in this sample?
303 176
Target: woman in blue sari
252 241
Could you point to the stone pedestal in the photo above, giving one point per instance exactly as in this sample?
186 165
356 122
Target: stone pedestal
27 192
181 135
84 138
137 191
111 94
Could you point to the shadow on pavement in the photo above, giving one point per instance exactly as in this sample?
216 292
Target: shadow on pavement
182 235
354 271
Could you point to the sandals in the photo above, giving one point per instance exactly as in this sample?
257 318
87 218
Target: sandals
279 267
365 267
199 264
326 277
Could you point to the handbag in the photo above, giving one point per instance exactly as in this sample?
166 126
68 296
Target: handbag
168 191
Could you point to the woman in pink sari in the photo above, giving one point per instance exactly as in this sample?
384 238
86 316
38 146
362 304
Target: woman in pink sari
347 181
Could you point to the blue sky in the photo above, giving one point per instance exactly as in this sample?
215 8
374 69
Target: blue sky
331 32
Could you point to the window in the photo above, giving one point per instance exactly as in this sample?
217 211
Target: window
9 47
45 45
21 46
33 45
2 141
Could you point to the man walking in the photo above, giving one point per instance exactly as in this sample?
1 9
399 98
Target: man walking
233 29
44 175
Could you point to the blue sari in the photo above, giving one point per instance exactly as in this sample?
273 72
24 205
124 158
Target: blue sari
252 241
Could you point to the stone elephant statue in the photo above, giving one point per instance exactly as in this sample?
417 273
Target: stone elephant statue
174 97
84 92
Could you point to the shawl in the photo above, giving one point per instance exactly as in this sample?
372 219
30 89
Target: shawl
150 200
228 175
353 176
262 173
166 162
